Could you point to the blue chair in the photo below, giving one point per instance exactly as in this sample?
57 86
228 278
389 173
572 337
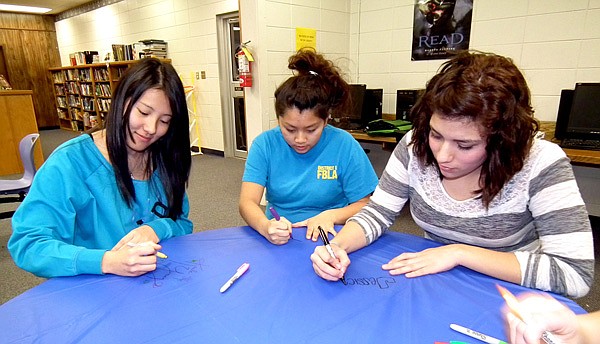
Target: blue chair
17 188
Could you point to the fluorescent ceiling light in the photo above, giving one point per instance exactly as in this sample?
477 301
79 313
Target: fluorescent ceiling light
28 9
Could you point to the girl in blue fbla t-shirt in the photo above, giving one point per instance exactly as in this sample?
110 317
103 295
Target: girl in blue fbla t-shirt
314 174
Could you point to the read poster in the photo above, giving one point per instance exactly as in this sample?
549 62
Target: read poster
441 28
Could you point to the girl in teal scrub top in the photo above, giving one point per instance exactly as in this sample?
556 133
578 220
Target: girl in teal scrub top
102 201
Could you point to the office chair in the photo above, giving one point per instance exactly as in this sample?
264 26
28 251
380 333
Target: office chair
20 187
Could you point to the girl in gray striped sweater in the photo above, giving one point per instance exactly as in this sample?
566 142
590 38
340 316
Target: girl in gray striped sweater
504 203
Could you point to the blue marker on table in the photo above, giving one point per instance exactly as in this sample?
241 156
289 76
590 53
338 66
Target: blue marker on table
277 217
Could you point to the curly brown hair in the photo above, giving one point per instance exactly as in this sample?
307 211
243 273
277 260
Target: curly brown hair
317 85
491 91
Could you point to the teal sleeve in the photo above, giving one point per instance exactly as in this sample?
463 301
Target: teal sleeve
43 227
257 162
167 228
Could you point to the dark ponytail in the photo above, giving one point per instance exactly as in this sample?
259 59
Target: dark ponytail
317 85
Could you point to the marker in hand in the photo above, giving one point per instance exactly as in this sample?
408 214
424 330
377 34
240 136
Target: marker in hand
158 254
277 217
274 213
328 248
516 309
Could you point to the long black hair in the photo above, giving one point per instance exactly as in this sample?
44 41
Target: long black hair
170 155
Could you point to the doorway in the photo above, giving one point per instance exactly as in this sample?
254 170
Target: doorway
232 94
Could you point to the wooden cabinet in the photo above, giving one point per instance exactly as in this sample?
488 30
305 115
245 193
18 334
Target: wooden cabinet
17 119
83 93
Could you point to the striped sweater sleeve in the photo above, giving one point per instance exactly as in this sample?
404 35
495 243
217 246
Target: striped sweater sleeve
564 262
389 197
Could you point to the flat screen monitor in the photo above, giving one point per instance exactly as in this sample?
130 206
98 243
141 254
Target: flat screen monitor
351 119
372 105
405 99
357 96
584 117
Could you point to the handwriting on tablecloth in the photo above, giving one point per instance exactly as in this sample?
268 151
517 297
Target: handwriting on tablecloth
173 270
381 282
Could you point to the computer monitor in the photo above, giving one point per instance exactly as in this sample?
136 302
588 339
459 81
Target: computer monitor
372 106
405 99
584 117
562 116
357 96
352 119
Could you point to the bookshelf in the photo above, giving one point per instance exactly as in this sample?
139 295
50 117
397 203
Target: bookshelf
82 93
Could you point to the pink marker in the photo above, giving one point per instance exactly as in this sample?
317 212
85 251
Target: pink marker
240 271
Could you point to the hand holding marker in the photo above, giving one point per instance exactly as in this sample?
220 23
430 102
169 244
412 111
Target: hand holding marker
328 248
158 254
515 308
278 218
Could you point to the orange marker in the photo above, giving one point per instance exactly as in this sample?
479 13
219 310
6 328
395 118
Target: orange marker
516 309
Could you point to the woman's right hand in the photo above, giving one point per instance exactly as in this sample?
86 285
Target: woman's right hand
131 260
278 232
546 314
328 267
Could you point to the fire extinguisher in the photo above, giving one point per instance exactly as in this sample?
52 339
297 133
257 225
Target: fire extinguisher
245 58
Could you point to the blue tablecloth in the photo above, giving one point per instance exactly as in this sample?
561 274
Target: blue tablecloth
279 299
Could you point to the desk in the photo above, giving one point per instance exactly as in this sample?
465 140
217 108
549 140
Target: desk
279 299
578 156
17 119
387 142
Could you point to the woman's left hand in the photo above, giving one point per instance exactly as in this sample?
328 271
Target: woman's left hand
141 234
312 225
426 262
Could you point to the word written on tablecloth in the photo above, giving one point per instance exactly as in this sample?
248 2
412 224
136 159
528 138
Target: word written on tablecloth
381 282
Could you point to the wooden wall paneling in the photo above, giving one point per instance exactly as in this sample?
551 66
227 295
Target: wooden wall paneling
30 48
38 58
3 70
8 20
15 60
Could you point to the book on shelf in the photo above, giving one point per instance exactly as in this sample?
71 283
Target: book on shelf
83 57
138 50
83 94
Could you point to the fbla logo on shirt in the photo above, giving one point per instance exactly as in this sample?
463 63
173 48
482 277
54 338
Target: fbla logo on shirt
327 172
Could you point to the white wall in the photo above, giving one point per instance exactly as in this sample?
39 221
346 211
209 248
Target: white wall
189 27
556 43
271 26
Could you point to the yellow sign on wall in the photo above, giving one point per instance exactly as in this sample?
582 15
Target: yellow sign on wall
306 38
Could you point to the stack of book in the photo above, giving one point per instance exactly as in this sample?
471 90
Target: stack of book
141 49
154 48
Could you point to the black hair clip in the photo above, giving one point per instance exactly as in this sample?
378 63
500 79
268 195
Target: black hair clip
160 210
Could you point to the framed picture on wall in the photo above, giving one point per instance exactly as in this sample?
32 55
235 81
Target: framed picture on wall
441 28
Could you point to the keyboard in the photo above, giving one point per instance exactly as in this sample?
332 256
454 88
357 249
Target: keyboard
580 144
